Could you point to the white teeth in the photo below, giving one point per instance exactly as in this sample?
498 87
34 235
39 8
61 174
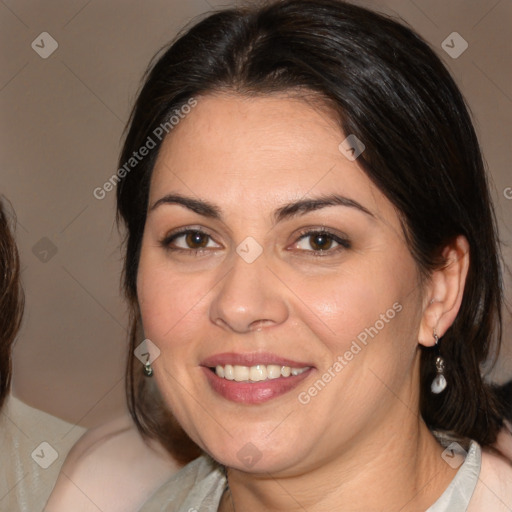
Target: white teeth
228 372
286 371
273 371
241 373
256 373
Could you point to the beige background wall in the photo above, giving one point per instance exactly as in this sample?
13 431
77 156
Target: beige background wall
61 124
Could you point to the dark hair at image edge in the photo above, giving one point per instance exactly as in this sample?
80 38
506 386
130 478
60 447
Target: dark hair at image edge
11 301
387 87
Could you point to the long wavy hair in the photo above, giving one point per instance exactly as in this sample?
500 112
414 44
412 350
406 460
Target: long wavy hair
11 301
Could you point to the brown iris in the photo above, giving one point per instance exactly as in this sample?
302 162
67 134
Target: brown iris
196 240
320 241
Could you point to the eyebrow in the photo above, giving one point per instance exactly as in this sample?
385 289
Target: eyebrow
304 206
198 206
293 209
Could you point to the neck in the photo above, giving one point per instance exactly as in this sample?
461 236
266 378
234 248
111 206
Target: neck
388 472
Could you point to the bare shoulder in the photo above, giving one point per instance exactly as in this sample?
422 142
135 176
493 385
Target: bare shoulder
494 487
110 468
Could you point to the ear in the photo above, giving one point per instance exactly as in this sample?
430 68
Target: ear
444 292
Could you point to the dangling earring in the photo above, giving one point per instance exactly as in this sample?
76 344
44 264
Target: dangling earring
439 383
148 370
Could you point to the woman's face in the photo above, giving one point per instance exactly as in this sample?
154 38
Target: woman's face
268 254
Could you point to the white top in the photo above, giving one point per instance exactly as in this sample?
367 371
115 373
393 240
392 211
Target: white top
33 446
199 487
458 494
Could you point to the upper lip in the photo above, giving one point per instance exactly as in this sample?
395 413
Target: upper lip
251 359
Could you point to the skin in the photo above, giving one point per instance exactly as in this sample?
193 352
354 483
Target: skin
362 431
115 453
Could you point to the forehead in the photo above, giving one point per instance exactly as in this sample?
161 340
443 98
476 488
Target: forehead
260 150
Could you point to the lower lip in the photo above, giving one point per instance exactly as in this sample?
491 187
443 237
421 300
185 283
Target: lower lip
257 392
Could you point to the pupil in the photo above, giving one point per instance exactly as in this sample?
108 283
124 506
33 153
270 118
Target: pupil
196 240
321 242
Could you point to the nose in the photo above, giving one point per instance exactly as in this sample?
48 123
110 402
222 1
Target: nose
249 298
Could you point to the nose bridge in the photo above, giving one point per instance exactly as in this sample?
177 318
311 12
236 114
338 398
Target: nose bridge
249 296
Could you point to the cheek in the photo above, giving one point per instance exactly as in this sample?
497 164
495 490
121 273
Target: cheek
358 305
169 302
367 331
367 321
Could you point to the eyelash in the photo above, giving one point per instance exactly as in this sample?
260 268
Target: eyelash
166 242
343 243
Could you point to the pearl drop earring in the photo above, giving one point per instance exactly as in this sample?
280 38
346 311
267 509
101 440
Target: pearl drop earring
439 383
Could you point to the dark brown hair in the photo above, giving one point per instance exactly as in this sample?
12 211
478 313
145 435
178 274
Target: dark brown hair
388 87
11 301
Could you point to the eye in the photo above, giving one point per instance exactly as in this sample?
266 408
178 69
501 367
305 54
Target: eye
321 241
189 240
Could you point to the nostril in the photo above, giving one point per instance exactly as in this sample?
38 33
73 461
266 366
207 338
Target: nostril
259 324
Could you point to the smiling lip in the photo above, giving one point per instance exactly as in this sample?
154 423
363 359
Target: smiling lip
256 392
251 359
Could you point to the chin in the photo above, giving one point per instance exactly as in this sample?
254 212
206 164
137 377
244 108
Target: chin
255 451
